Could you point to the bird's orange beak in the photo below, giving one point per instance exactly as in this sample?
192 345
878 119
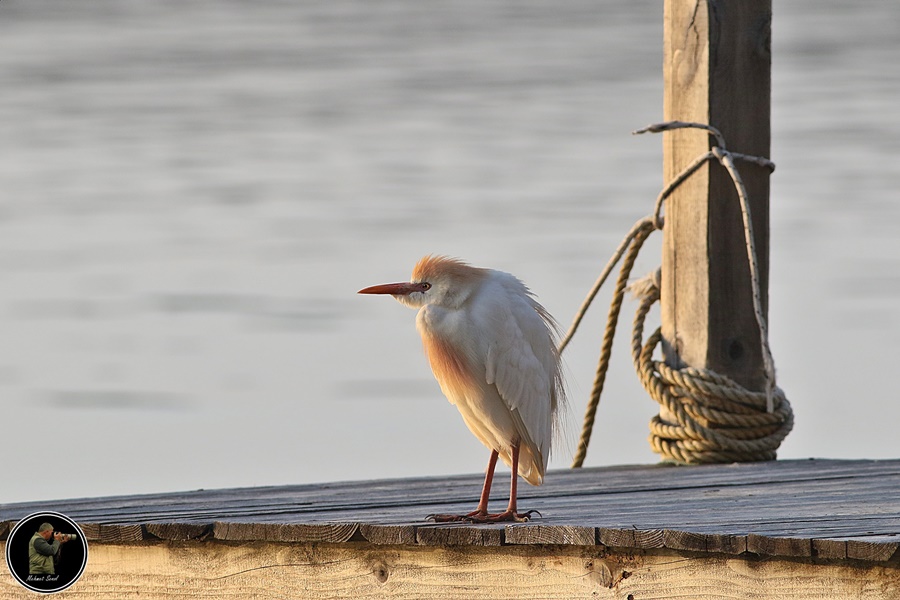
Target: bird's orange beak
394 289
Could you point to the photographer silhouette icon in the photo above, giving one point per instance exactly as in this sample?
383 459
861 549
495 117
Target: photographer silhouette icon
46 552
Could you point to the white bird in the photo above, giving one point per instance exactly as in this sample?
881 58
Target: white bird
492 348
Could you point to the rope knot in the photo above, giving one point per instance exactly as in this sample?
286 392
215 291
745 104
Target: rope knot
647 287
704 416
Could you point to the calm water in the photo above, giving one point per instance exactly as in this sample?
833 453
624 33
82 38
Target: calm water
193 191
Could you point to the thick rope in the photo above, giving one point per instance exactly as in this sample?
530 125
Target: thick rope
768 363
716 420
633 242
623 246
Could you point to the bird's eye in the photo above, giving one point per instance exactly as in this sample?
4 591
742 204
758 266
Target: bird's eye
425 286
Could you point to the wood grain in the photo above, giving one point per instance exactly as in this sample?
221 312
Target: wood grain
806 509
551 534
266 571
726 544
460 535
717 70
284 532
178 531
649 538
873 549
388 534
684 540
121 533
779 546
616 538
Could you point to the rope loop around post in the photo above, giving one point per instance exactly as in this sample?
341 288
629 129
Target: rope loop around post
715 419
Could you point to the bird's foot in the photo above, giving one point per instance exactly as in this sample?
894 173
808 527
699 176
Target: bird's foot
478 512
504 517
479 516
447 518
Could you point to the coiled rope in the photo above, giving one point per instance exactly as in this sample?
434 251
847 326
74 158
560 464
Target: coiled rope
715 418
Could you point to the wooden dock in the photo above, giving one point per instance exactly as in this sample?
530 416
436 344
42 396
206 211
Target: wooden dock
785 529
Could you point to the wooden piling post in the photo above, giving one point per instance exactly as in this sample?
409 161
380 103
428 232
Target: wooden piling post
717 70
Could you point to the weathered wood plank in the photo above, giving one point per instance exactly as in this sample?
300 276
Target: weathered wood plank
268 571
873 549
684 540
616 538
273 505
726 544
717 70
120 533
779 546
550 534
649 538
464 489
91 530
829 549
388 534
714 507
292 532
460 535
178 531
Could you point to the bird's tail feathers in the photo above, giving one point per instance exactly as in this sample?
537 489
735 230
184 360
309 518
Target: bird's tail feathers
562 421
529 469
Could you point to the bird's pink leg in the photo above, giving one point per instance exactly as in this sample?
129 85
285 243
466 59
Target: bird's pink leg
481 515
513 482
510 513
481 511
486 490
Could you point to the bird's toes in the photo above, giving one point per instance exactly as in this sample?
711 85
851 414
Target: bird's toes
485 517
527 515
448 518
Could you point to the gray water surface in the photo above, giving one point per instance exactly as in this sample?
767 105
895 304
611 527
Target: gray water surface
193 191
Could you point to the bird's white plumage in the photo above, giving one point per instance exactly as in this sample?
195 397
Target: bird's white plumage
492 348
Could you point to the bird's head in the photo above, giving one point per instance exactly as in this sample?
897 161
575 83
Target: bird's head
439 280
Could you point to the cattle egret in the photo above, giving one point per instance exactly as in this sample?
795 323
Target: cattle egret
492 348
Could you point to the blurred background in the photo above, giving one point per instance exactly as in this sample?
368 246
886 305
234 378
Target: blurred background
192 192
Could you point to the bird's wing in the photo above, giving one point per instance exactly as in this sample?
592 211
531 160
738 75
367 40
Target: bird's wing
521 362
